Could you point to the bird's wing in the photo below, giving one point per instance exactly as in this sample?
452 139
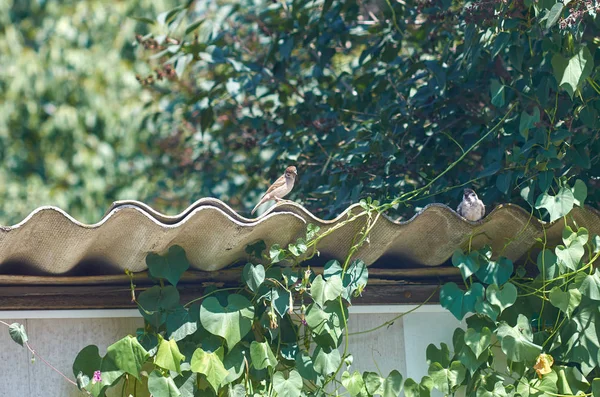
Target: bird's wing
459 208
278 183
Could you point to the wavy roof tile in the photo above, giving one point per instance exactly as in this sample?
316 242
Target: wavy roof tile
51 242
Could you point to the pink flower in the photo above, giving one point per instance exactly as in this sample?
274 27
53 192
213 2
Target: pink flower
97 377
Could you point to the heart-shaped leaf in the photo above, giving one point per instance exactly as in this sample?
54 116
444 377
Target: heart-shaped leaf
231 322
161 386
326 361
392 385
125 355
517 342
261 355
557 206
17 333
290 387
448 379
566 301
211 365
168 355
502 298
458 302
235 363
468 264
253 276
579 192
373 383
435 355
156 301
571 253
170 266
547 263
478 342
485 308
498 391
495 272
590 286
353 383
464 354
324 291
180 324
327 324
414 389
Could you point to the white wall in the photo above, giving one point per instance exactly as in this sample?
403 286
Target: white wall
59 335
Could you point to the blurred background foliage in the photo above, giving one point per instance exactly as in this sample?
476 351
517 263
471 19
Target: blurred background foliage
167 102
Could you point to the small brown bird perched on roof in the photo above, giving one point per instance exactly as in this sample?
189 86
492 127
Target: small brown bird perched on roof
280 188
471 207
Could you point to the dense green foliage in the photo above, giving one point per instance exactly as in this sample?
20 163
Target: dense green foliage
369 99
70 107
377 99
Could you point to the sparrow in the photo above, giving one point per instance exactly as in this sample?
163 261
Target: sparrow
280 188
471 207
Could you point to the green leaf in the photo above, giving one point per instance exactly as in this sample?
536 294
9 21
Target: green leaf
571 73
557 206
171 266
276 254
125 355
156 301
478 342
324 291
262 356
17 333
193 26
485 308
497 93
547 263
168 355
448 379
231 322
590 286
528 121
353 383
305 367
579 192
571 253
373 383
311 231
253 276
414 389
287 387
517 342
596 387
326 360
435 355
180 324
464 354
502 298
544 387
327 324
210 365
238 390
281 301
235 363
468 264
160 386
256 249
554 14
356 277
566 301
88 361
495 272
498 391
458 302
392 385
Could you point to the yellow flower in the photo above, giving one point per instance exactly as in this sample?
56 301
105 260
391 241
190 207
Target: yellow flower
543 364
